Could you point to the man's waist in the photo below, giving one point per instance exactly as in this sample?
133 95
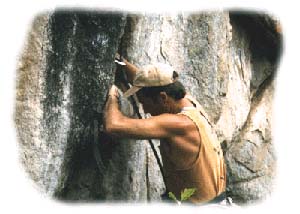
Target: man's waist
218 199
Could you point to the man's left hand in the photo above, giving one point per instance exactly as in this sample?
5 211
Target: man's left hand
113 91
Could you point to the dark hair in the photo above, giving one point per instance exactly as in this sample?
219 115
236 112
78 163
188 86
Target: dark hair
175 90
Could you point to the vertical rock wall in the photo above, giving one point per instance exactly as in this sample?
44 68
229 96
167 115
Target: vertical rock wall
72 66
35 154
250 153
223 58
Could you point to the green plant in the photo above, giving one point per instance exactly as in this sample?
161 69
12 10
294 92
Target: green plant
184 195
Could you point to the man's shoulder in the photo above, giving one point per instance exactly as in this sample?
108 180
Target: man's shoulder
172 117
176 121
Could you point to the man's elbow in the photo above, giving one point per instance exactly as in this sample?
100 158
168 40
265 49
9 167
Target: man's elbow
108 128
111 128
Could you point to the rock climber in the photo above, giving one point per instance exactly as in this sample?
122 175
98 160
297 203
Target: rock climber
191 154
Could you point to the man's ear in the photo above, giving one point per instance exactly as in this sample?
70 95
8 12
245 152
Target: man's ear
163 95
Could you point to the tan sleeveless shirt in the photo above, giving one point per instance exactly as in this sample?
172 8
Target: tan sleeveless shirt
208 173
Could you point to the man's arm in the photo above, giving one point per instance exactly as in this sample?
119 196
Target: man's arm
130 68
163 126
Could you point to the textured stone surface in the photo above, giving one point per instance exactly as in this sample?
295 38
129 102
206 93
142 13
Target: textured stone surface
74 66
226 60
85 45
191 43
250 159
36 154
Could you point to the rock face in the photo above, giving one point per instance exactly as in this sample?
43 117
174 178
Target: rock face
227 60
64 74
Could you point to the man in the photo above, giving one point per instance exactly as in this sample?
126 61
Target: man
191 154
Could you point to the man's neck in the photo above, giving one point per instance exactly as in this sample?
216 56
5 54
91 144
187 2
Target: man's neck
179 105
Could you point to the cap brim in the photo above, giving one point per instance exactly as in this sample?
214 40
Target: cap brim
131 91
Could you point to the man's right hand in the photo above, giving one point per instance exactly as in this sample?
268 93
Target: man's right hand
117 56
119 60
129 68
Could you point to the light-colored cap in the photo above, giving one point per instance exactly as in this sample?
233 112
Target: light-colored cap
152 75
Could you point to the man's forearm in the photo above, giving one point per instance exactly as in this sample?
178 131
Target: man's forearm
112 114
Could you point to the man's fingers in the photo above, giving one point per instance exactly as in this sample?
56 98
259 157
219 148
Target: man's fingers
113 91
119 62
118 59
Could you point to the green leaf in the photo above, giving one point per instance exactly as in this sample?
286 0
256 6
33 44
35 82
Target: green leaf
187 193
172 196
